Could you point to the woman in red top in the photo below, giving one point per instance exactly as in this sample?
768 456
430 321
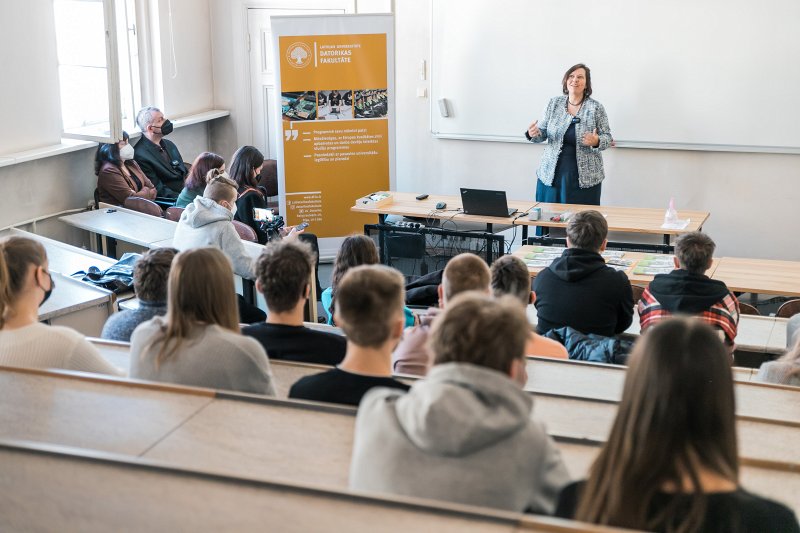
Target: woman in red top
118 175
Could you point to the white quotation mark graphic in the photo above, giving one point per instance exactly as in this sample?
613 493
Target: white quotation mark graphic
291 135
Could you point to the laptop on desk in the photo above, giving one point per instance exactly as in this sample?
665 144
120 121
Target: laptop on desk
485 203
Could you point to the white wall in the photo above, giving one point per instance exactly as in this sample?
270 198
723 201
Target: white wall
192 89
29 102
752 198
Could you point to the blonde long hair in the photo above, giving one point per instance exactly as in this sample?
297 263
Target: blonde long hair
200 293
16 255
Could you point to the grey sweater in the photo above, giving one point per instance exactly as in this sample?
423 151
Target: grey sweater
464 434
780 373
213 357
206 223
120 326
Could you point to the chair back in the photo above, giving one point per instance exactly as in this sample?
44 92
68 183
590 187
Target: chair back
173 213
246 233
143 205
747 309
788 309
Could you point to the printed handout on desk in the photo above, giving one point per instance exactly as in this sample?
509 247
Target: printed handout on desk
539 263
651 271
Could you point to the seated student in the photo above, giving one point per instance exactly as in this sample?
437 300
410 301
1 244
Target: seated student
159 158
369 308
207 222
578 289
510 277
355 250
198 341
464 272
198 176
284 270
25 284
465 433
687 290
118 175
784 371
670 462
150 274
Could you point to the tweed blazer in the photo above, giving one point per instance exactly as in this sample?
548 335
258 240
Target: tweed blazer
554 125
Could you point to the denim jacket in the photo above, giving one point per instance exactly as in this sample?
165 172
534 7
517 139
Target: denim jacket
553 127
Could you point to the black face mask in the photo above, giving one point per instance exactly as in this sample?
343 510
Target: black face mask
49 291
166 127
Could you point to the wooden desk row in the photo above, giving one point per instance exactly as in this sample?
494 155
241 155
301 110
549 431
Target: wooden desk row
266 439
81 306
762 276
148 231
620 219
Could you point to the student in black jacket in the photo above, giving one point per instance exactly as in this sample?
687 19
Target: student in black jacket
159 158
578 289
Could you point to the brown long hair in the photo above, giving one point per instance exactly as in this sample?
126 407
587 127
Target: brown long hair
200 293
203 164
16 255
676 417
356 250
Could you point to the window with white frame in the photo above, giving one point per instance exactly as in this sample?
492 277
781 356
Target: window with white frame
98 66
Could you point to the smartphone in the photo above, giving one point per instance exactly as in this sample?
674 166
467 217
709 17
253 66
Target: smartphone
263 215
301 226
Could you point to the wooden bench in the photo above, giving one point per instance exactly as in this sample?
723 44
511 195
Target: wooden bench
263 438
51 488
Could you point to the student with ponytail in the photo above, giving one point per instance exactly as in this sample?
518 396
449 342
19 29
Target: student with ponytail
25 284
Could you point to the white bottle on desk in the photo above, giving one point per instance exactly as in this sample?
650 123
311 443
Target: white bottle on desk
671 216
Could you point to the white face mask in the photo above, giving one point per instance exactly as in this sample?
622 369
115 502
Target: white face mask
233 209
126 152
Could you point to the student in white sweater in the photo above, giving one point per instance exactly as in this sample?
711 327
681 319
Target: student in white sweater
25 284
198 341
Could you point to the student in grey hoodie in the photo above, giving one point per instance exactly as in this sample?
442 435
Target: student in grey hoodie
207 221
465 434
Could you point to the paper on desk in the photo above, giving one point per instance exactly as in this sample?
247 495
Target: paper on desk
676 224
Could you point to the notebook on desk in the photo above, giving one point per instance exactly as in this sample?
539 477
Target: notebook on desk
485 203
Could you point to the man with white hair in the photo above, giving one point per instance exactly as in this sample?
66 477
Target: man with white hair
159 158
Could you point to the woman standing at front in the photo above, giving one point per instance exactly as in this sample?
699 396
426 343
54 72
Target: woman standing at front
576 129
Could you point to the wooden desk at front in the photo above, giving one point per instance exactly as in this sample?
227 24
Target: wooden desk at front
638 220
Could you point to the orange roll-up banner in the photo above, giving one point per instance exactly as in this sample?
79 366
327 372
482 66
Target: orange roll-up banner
336 83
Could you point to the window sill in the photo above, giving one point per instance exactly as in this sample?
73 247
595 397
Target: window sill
72 145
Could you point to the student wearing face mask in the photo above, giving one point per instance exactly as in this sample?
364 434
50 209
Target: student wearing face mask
118 175
159 158
25 284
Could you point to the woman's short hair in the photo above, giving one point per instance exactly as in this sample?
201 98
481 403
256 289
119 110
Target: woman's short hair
200 293
17 254
676 416
151 273
369 300
478 329
108 153
587 91
243 165
203 163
